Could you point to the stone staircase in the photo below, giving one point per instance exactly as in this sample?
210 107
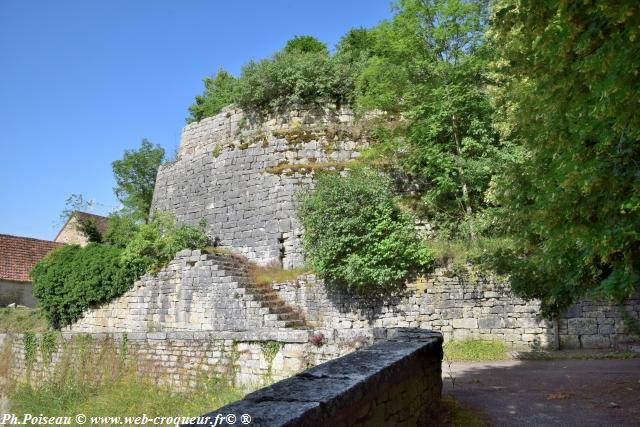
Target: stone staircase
278 314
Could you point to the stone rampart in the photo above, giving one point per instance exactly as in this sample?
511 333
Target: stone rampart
391 383
241 176
195 292
462 306
213 292
178 359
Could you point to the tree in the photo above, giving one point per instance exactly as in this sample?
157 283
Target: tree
355 236
429 64
305 44
219 91
135 177
569 94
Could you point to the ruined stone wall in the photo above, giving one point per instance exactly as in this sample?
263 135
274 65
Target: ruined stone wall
213 292
195 292
463 306
397 382
179 359
241 176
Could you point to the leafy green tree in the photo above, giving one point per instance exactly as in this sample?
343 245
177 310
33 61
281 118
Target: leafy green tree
135 177
219 91
429 64
305 44
569 93
355 236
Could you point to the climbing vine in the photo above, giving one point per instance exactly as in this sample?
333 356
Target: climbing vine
270 350
30 342
48 346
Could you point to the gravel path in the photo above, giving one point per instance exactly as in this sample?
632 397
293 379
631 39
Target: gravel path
549 393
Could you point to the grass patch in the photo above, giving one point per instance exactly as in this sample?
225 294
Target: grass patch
459 416
475 350
463 251
96 379
125 396
288 169
274 273
22 320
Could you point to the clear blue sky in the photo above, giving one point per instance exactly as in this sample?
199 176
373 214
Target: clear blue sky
81 81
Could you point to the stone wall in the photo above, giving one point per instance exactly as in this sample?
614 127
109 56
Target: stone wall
20 293
595 324
195 292
179 359
213 292
459 307
392 383
241 176
463 306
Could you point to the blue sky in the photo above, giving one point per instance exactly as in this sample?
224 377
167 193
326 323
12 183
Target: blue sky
81 81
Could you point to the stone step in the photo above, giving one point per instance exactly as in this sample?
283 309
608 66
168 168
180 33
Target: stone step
293 323
289 316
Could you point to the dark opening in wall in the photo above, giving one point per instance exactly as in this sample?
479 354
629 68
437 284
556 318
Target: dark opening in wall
282 255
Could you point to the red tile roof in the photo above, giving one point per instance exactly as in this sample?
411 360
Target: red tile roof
19 254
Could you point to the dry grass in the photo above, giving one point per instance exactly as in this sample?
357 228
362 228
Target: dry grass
274 273
95 379
22 320
463 251
286 168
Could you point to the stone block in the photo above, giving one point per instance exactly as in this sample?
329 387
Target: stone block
595 341
465 323
582 326
489 323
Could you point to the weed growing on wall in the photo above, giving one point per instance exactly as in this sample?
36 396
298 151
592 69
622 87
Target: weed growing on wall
270 350
48 345
91 378
30 342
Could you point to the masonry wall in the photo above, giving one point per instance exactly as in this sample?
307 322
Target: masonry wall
179 359
392 383
241 176
20 293
210 292
463 306
195 292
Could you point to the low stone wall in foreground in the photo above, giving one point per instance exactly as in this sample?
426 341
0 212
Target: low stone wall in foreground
178 359
394 382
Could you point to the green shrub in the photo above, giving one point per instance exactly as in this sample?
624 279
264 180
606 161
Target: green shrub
302 75
355 236
288 80
156 243
219 92
120 230
70 279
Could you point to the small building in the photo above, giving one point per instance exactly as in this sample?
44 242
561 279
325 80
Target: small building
70 233
17 256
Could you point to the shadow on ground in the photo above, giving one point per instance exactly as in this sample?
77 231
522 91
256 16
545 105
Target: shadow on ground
549 393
